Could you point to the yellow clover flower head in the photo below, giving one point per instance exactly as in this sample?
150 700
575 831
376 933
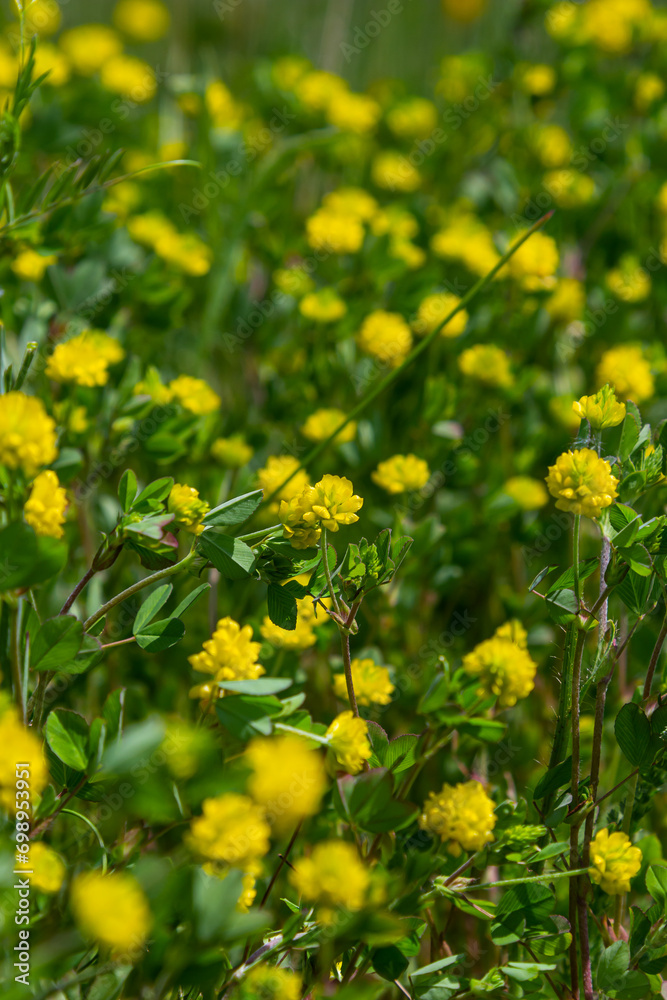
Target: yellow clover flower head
25 747
352 201
300 534
322 423
582 482
142 20
188 509
270 983
537 79
414 118
393 171
348 738
601 410
332 875
372 685
44 510
434 309
401 473
504 668
535 261
527 493
84 359
195 395
42 17
357 113
29 265
288 779
232 830
487 364
330 503
385 336
567 301
323 306
628 372
27 433
89 46
111 909
274 473
334 232
230 654
48 868
462 814
614 861
232 452
130 77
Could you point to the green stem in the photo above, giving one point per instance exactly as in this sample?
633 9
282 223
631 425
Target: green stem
15 655
300 732
575 555
136 587
531 878
259 534
30 352
105 860
423 345
327 571
655 656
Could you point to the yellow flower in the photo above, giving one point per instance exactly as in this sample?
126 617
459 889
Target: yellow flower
537 80
393 171
514 631
249 893
334 232
149 228
185 251
527 493
333 875
9 66
330 503
323 306
411 255
276 470
316 90
44 510
466 239
27 433
464 10
89 46
232 829
48 868
582 482
84 359
553 146
269 983
230 654
401 473
233 452
42 17
300 534
221 106
30 265
627 371
569 188
111 909
143 20
648 88
188 509
567 301
287 70
288 779
130 77
353 112
322 423
26 752
629 282
488 364
372 685
504 668
614 861
461 814
536 258
414 118
434 309
601 410
48 59
385 336
195 395
152 385
351 201
293 281
348 738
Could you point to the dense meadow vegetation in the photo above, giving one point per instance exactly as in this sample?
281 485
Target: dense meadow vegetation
333 548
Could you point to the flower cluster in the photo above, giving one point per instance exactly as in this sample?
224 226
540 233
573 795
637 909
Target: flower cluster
328 504
504 668
582 483
44 510
332 875
27 433
348 738
601 410
229 655
111 909
614 862
402 473
461 814
372 684
187 508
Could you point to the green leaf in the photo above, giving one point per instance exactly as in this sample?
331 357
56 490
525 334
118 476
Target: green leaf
261 685
113 712
231 557
150 607
246 715
633 734
157 490
127 489
656 883
235 511
57 641
67 735
629 437
190 599
27 558
389 962
160 635
443 963
90 653
281 606
638 559
136 745
562 606
555 778
634 591
586 568
399 753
